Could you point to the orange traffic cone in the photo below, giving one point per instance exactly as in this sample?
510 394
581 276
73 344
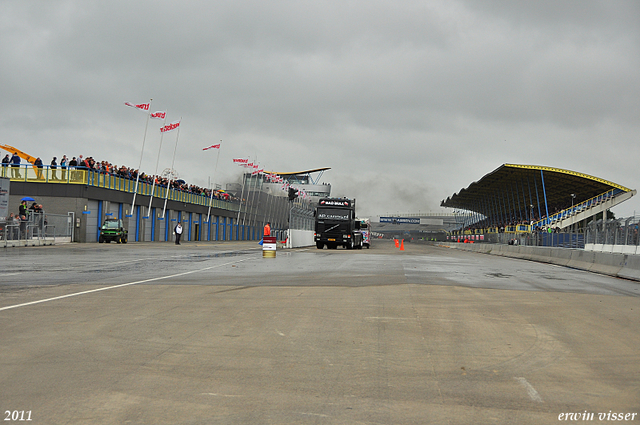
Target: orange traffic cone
397 244
402 245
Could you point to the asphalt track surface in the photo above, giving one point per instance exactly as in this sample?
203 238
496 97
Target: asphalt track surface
212 333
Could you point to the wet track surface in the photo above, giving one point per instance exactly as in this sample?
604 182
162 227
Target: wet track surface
214 333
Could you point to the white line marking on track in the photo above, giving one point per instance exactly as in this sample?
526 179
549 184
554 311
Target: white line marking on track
120 286
222 395
530 390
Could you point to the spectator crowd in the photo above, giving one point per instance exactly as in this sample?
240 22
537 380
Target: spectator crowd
104 167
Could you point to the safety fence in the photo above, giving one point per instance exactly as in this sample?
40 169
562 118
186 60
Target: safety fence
613 235
617 235
302 217
37 228
539 238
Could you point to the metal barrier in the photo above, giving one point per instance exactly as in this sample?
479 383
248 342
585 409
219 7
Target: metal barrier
611 235
83 176
622 231
38 229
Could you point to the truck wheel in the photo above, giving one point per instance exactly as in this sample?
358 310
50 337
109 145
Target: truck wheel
319 245
125 239
100 239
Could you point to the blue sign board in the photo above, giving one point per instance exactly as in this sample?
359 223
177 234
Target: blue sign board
400 220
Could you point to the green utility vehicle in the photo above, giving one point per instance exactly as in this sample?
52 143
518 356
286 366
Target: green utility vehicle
113 230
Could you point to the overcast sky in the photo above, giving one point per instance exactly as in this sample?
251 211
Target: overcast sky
407 101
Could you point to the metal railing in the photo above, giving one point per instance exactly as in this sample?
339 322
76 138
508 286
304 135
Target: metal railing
83 176
621 231
37 227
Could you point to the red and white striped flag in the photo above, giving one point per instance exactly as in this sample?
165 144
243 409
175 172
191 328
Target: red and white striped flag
142 106
170 127
159 115
212 147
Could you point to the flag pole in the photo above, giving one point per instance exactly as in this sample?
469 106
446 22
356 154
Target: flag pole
241 196
252 196
214 181
175 148
155 174
135 191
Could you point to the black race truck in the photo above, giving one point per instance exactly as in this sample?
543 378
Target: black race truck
336 224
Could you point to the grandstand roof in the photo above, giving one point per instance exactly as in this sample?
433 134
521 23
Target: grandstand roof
522 185
296 173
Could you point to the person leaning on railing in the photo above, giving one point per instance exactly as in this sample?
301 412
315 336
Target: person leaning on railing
15 167
5 165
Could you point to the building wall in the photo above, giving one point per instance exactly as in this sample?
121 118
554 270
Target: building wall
91 205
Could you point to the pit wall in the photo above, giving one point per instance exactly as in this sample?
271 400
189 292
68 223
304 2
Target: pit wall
300 238
616 249
626 266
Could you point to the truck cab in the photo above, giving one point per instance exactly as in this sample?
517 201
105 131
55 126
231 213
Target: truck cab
336 224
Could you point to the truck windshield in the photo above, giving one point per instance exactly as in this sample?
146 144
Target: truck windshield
333 214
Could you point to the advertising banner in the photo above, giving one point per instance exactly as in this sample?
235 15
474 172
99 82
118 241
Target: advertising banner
4 197
400 220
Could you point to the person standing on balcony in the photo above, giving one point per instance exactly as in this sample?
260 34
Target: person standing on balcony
38 164
63 165
54 165
72 165
5 165
15 166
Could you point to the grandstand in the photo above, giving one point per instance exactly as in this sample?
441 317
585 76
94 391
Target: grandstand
528 198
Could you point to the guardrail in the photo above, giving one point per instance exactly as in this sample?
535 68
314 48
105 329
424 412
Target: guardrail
46 174
34 231
582 206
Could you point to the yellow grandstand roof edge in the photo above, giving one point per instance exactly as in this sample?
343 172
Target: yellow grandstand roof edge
573 173
315 170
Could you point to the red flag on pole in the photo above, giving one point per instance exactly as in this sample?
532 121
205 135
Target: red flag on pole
142 106
240 161
159 115
170 127
212 147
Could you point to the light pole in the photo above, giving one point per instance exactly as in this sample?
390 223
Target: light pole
573 219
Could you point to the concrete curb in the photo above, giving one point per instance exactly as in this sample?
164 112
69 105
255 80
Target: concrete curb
626 266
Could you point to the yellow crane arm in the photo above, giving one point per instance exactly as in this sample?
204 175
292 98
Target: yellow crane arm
18 152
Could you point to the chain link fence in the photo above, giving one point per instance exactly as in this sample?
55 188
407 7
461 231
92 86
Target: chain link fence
621 231
611 232
302 215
